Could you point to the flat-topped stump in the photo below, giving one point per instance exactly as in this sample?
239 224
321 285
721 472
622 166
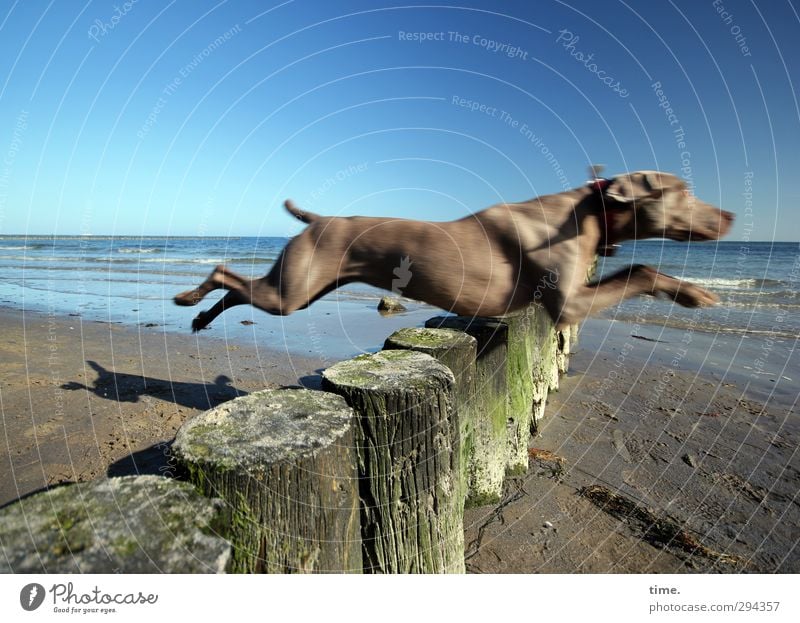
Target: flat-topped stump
408 458
457 351
132 524
284 462
522 359
489 404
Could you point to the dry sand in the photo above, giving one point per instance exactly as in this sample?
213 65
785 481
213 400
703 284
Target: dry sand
714 467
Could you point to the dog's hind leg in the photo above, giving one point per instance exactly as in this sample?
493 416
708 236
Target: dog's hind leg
220 277
204 318
294 282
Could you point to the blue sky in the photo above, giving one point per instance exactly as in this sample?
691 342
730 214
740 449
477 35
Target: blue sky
199 118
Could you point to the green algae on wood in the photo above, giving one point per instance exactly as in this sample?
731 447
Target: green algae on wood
520 361
533 355
489 405
132 524
283 460
457 351
409 460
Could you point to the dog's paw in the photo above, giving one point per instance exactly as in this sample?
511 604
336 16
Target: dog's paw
199 323
188 298
690 295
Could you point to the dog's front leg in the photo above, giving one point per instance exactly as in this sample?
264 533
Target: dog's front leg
627 283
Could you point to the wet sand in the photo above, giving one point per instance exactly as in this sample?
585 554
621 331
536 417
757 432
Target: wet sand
704 450
697 464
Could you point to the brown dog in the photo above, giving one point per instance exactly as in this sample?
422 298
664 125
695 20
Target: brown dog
490 263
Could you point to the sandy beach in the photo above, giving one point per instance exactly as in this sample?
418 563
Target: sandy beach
697 443
710 450
82 399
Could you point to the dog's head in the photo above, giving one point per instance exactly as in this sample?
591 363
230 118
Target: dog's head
664 208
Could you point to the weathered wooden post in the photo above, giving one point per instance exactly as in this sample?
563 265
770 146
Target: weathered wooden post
566 338
457 351
521 360
545 342
548 344
284 461
408 458
132 524
489 403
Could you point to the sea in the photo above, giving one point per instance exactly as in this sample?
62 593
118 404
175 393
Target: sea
132 280
758 284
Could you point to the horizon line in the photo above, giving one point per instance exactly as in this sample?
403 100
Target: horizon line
234 237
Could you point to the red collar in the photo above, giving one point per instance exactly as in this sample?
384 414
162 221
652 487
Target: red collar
606 218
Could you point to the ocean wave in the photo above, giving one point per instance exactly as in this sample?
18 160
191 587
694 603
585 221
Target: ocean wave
157 260
22 247
760 305
790 335
766 295
136 260
140 250
103 238
27 258
741 283
199 260
182 260
760 283
706 325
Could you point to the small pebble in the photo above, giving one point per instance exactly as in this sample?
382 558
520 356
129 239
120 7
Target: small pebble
547 524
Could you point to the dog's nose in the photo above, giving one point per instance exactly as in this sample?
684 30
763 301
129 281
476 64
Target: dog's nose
729 216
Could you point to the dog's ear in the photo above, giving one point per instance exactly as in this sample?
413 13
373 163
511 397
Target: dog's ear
637 186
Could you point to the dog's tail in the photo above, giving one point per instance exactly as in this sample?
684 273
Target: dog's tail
306 217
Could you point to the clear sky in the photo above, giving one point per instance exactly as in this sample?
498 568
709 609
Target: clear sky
198 118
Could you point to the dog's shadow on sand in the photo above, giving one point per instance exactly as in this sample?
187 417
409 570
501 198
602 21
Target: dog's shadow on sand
157 459
122 387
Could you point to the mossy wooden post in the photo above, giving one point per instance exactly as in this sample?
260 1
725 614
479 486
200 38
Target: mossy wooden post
457 351
490 403
408 456
520 361
565 340
132 524
547 359
285 463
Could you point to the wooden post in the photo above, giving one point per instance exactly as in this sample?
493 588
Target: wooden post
489 402
457 351
284 461
565 341
408 457
521 360
544 341
132 524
